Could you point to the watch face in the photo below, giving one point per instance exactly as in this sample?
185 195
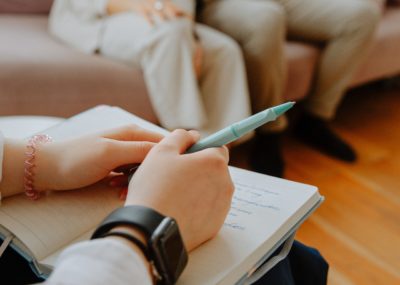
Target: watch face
169 250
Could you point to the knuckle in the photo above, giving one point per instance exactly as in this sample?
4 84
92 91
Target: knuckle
180 132
165 146
143 147
105 147
130 128
215 160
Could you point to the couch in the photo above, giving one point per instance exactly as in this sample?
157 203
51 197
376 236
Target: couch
41 76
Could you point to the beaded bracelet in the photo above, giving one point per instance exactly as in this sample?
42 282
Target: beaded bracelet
30 156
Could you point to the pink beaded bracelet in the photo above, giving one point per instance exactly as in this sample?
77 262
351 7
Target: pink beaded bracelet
29 174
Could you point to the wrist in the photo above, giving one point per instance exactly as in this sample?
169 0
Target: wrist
47 167
13 167
136 233
164 249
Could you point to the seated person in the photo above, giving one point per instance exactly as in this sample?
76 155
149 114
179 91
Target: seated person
344 27
197 200
194 75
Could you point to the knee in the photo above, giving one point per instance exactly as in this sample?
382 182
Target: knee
363 18
266 29
268 17
177 30
228 50
231 49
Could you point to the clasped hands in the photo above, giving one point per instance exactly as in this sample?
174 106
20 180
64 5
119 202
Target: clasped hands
167 10
162 9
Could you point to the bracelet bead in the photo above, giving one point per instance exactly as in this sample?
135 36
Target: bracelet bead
30 157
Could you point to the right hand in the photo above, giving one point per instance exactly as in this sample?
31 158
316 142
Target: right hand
195 189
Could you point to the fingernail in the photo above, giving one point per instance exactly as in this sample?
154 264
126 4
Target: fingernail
123 194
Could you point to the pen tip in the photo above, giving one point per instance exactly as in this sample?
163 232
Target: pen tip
280 109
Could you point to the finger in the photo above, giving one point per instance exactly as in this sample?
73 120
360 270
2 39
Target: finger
147 14
126 168
128 152
123 194
169 13
159 13
119 181
180 13
195 134
221 152
178 141
132 133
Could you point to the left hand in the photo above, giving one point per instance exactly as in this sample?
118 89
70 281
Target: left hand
84 160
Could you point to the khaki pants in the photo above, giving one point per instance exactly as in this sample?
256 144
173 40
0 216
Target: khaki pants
344 26
165 54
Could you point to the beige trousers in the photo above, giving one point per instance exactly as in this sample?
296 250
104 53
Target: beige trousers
344 26
165 54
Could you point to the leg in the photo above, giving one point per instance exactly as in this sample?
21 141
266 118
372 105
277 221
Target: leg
303 265
223 80
164 53
308 266
259 28
346 27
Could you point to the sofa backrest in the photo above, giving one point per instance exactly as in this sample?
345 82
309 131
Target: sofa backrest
25 6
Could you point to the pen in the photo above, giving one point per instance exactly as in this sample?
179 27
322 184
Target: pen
239 129
235 131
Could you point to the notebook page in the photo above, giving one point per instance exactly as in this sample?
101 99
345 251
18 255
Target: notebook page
52 258
39 224
97 119
55 220
264 209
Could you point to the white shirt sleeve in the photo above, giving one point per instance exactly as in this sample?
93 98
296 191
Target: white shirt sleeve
100 261
78 23
1 157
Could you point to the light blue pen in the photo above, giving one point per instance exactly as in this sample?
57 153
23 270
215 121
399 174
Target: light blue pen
239 129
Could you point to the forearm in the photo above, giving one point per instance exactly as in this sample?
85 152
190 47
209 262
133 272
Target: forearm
13 168
101 261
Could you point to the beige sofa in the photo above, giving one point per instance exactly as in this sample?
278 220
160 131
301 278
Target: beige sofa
39 75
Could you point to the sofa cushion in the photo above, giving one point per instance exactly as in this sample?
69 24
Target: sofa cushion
40 75
302 59
25 6
382 59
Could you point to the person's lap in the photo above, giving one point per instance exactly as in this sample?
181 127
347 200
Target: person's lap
304 265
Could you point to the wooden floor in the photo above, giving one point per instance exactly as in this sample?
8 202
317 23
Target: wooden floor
357 228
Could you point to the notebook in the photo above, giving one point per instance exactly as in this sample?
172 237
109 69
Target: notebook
265 211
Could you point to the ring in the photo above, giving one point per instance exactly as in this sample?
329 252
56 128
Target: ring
159 5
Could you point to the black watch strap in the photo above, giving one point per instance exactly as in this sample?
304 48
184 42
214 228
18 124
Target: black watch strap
150 219
165 248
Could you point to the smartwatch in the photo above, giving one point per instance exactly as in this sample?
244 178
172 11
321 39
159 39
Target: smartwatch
165 249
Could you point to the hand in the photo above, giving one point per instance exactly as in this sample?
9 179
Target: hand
149 9
163 9
195 189
81 161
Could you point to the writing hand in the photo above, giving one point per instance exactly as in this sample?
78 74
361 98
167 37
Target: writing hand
195 189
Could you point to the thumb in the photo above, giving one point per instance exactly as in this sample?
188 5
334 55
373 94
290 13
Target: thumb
179 140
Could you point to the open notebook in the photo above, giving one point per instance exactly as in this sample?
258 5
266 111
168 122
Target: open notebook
265 212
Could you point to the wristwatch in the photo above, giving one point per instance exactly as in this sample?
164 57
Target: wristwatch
165 249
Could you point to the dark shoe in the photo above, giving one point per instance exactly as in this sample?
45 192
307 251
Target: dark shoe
266 154
316 132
